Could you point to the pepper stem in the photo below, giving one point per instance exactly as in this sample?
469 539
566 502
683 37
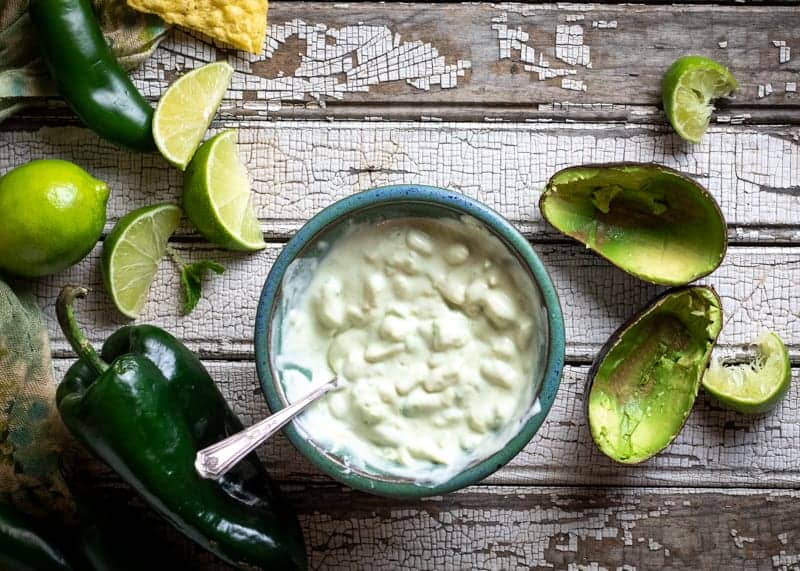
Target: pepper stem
73 333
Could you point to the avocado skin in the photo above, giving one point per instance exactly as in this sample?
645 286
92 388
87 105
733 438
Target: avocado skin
644 381
649 220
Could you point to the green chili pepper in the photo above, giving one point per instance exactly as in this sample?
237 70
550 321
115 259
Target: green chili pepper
88 75
25 548
146 414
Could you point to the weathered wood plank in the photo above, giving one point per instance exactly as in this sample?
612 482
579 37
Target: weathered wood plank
298 168
715 448
591 55
531 528
757 286
482 60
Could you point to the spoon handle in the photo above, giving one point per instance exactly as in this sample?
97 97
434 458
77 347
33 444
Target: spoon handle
217 459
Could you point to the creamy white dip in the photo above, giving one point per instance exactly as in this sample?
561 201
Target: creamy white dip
436 331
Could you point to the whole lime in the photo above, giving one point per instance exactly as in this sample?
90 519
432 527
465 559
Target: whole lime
52 215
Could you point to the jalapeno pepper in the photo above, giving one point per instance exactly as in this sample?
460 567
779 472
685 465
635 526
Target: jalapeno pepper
145 406
88 75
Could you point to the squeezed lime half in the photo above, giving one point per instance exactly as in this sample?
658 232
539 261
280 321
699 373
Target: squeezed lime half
185 111
756 386
132 252
688 89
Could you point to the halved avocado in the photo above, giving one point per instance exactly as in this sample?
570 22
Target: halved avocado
650 221
643 383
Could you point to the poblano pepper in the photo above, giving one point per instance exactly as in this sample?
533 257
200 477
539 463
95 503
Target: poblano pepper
23 547
145 406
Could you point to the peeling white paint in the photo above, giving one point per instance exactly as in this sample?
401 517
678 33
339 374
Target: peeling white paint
566 106
573 84
570 47
786 562
604 24
332 62
740 540
517 44
784 53
723 44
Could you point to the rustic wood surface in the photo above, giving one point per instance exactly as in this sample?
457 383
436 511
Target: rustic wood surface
490 100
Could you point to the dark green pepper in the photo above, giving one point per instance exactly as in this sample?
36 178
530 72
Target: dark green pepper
110 536
88 75
25 548
146 414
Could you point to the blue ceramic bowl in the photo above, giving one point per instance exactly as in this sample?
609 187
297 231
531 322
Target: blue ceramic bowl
381 204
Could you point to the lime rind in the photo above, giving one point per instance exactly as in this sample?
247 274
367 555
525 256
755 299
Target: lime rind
186 109
217 195
755 386
132 252
689 87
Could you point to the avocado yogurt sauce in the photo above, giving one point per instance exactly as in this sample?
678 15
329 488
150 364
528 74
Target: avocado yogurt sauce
436 332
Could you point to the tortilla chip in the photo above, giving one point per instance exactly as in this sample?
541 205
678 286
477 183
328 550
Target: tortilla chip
240 23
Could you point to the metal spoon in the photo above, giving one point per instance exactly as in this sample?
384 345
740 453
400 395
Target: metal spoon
217 459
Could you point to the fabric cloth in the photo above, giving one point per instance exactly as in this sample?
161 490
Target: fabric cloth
32 437
132 36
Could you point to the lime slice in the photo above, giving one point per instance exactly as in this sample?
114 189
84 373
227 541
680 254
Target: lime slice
756 386
687 90
217 197
185 111
132 251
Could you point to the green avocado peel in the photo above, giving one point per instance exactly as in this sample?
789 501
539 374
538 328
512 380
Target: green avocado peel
643 384
650 221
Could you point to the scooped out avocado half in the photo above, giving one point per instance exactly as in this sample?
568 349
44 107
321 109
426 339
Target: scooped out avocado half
650 221
643 384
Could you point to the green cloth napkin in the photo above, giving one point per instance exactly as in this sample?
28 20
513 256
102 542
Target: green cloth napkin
23 78
32 438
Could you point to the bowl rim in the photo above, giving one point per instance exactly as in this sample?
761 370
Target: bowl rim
411 193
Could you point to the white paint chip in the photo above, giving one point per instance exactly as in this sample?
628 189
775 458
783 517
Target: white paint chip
791 87
723 44
573 84
604 24
569 45
784 51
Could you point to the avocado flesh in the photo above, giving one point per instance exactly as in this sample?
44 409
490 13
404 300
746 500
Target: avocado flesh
648 220
643 387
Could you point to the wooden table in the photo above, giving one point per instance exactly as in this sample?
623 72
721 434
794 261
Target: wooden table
490 100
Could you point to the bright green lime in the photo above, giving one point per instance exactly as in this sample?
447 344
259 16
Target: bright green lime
53 213
754 387
132 251
185 111
217 197
689 86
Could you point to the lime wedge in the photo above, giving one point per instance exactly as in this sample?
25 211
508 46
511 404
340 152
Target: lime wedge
217 197
185 111
132 251
689 86
756 386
